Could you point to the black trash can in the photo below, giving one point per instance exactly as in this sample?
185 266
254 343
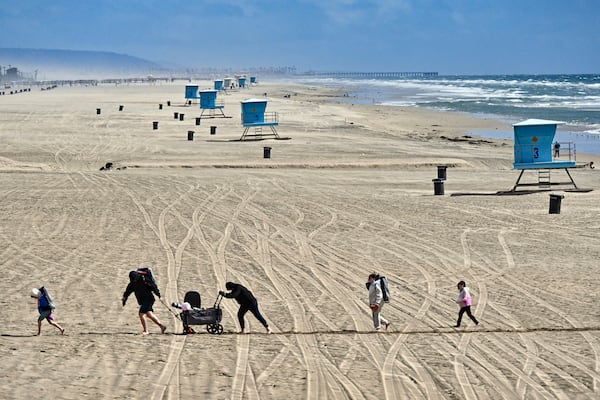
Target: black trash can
555 200
438 187
160 106
98 111
155 125
120 108
266 152
181 117
441 172
197 120
213 130
189 102
175 115
169 103
190 135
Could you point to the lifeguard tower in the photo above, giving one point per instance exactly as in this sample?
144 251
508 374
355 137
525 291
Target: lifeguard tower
218 84
208 102
227 83
534 145
242 81
191 92
254 115
252 80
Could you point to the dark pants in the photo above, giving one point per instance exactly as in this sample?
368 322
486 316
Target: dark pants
244 308
466 309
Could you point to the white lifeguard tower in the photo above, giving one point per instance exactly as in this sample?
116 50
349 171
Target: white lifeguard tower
535 149
208 102
254 115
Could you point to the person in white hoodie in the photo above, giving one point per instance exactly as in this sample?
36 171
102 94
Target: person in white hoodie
376 301
464 302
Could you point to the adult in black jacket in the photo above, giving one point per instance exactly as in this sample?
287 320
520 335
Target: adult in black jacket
247 303
143 289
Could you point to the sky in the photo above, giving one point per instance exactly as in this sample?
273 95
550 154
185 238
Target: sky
446 36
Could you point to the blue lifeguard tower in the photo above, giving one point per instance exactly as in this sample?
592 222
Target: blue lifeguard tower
218 84
242 81
208 101
252 80
254 115
191 92
536 149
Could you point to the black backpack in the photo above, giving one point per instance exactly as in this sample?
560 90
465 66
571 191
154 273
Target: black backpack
146 275
385 289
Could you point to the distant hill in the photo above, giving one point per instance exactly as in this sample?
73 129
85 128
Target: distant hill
75 64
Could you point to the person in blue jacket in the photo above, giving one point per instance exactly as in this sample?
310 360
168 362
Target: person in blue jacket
45 308
247 302
144 290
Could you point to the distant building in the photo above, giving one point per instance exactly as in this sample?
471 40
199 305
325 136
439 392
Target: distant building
12 74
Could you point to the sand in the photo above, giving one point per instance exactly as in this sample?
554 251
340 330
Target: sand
350 193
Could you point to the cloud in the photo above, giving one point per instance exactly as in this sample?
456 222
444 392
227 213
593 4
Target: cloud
351 12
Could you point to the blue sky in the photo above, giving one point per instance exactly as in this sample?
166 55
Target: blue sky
448 36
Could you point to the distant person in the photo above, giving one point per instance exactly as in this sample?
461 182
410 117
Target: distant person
247 302
556 149
142 284
376 301
45 307
464 301
592 165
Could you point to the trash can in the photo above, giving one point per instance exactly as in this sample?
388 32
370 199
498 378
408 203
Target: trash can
441 169
160 106
189 102
155 125
438 187
120 108
197 120
175 115
181 117
169 103
98 111
213 130
555 200
266 152
190 135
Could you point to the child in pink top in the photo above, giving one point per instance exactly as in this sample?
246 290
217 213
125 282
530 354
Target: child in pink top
464 301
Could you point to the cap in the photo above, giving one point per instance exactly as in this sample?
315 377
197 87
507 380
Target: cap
35 293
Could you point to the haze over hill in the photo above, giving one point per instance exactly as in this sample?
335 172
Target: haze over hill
53 64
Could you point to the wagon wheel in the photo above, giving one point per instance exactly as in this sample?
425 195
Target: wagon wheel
212 328
219 329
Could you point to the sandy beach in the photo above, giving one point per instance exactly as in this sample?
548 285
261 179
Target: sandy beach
348 194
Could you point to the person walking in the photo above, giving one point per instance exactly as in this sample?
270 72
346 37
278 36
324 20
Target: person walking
464 301
45 307
376 301
247 302
143 286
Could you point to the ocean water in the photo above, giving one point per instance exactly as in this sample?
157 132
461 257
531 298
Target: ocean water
574 99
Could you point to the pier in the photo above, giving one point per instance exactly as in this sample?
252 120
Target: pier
373 75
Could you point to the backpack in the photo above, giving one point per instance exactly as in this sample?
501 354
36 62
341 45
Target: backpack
146 275
46 295
385 289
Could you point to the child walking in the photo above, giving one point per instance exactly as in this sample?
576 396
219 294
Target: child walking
464 301
45 308
376 302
